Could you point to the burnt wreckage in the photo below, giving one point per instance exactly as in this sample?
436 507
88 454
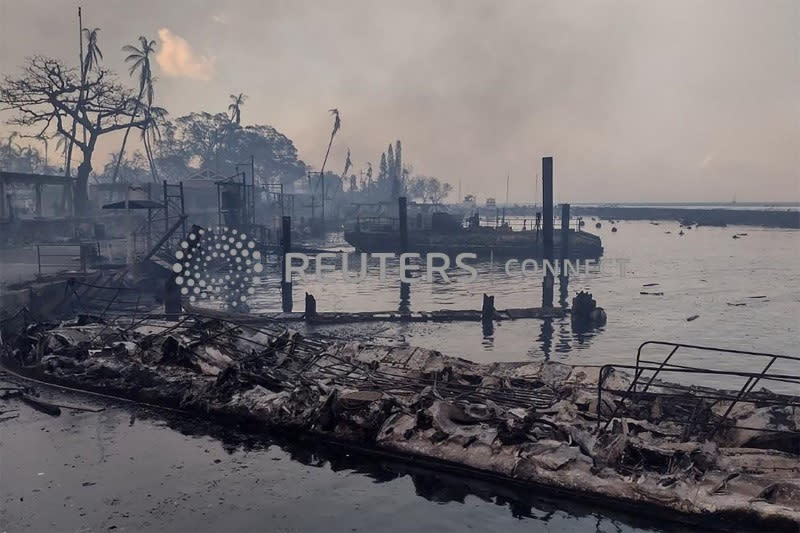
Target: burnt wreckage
629 435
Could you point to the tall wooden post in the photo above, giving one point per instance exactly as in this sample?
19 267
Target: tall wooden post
286 284
563 277
405 287
402 207
547 206
547 229
564 231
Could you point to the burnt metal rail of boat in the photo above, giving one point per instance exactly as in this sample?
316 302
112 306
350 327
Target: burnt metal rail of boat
695 400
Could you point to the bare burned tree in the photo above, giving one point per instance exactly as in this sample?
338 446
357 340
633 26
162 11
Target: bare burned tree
50 96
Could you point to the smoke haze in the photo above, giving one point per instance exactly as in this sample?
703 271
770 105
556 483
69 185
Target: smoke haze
637 101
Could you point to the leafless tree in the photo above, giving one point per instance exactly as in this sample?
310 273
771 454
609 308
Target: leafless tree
49 95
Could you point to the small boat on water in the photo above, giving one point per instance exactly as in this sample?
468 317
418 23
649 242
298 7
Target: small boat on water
447 234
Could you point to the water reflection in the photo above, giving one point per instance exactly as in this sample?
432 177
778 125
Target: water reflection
440 486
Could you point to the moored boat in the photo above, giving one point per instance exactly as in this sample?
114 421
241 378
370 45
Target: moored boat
446 234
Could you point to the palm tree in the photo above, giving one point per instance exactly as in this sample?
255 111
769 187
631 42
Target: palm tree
93 52
157 115
88 62
140 59
347 164
337 123
235 107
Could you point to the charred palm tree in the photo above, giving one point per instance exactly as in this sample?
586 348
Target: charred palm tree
152 132
337 124
140 62
347 164
89 62
235 107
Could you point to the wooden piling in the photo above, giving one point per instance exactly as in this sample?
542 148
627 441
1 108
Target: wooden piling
487 310
402 209
405 287
311 308
286 245
547 206
564 231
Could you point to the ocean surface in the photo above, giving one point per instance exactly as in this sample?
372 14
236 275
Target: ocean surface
743 291
133 469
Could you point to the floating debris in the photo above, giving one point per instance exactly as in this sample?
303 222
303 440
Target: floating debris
693 317
652 293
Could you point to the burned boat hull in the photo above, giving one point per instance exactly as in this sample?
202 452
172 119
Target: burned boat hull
532 423
480 241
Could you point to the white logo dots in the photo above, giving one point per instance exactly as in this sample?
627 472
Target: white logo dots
218 265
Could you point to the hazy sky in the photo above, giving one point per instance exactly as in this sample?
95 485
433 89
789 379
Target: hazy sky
636 100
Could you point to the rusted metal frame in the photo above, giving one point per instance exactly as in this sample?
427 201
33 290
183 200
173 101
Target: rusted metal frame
746 389
753 378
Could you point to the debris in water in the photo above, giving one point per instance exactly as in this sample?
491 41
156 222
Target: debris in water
534 422
693 317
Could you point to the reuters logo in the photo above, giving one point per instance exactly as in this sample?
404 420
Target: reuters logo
217 265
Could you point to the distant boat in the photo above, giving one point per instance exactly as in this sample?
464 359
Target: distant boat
444 233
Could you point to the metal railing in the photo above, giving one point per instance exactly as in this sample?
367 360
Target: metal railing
692 404
60 257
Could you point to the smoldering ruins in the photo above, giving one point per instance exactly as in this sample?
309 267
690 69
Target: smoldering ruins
161 276
650 437
627 436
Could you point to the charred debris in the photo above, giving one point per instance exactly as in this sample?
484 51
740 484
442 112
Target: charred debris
635 435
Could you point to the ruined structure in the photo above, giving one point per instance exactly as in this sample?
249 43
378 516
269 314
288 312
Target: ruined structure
697 454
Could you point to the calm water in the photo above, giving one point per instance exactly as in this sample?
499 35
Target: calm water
746 292
133 470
